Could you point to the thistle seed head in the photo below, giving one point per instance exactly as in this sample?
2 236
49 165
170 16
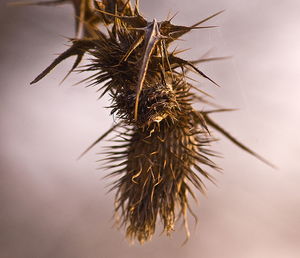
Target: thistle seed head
159 164
162 148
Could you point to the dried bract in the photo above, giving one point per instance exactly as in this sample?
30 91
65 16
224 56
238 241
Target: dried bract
161 150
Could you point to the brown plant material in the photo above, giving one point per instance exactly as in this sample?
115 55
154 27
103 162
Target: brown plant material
157 163
161 150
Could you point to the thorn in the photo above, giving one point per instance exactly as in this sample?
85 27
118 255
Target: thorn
99 139
236 142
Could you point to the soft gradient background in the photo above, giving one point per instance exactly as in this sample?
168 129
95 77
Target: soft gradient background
55 206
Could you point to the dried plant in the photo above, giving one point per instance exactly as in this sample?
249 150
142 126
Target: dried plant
161 148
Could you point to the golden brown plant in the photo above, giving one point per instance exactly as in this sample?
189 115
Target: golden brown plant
161 149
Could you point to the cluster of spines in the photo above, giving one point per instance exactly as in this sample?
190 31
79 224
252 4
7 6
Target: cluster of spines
162 146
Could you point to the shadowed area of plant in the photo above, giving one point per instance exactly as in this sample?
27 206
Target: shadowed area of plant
161 150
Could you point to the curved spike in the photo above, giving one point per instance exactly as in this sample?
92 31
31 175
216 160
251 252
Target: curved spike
78 48
100 139
178 34
182 62
219 110
203 60
201 73
211 123
151 39
75 65
208 18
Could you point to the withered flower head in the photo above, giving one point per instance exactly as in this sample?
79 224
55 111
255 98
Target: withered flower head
161 149
156 165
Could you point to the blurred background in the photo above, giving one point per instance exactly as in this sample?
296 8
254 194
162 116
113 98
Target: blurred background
55 206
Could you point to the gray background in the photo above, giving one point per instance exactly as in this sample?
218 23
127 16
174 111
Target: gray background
55 206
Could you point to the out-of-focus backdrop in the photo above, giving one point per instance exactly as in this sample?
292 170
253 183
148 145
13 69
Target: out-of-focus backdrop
55 206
